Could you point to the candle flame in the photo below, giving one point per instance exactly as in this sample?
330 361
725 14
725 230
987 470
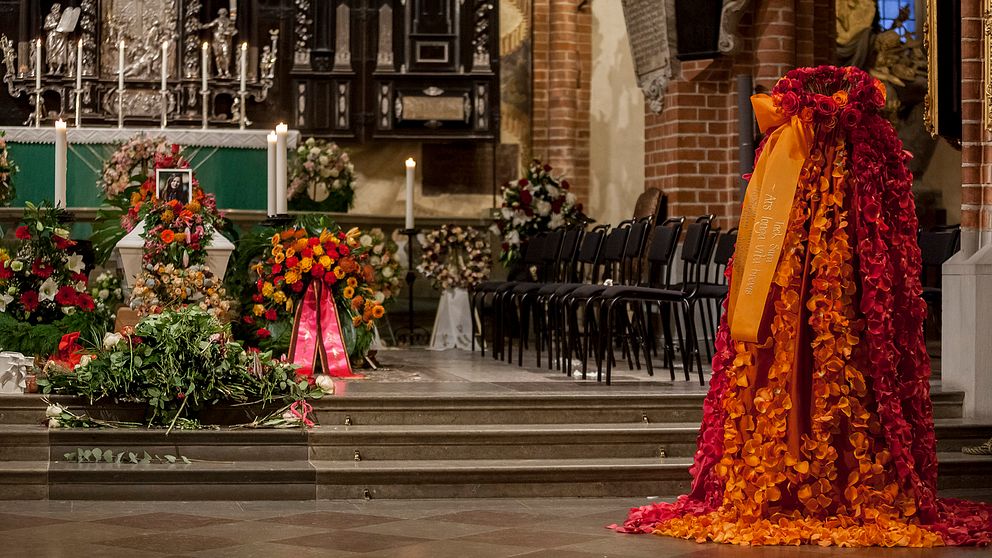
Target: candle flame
410 163
60 124
244 46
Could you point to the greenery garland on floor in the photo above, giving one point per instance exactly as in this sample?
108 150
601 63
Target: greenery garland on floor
43 339
178 362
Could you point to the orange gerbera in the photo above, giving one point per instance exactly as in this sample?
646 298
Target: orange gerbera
167 236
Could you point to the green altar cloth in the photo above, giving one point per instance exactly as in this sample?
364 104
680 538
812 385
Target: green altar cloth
231 164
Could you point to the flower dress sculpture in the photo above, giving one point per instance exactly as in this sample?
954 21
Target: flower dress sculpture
818 424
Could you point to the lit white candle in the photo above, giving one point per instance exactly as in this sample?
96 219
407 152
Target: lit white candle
79 81
271 190
282 174
61 161
205 66
244 68
37 65
411 167
120 84
165 65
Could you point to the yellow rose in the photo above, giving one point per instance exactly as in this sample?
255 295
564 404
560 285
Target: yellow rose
258 310
280 258
318 250
326 262
348 292
267 289
279 297
301 244
306 264
290 252
289 305
292 276
338 272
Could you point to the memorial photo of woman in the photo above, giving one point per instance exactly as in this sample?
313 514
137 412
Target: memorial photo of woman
174 184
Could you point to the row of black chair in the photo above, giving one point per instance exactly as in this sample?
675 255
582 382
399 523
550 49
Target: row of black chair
589 292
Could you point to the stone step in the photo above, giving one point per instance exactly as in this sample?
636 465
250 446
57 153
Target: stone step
402 442
306 480
609 406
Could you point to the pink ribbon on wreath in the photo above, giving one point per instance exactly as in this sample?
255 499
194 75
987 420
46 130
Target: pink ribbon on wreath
317 334
302 410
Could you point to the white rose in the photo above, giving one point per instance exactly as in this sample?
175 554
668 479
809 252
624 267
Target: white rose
325 383
365 240
323 160
288 415
53 411
83 361
387 272
104 294
54 423
62 232
335 173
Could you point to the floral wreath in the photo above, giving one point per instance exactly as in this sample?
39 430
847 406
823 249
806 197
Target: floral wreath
537 203
298 257
7 171
132 159
323 172
455 257
382 257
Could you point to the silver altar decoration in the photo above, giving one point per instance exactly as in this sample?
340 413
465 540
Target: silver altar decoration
144 25
301 52
384 57
222 42
342 46
480 41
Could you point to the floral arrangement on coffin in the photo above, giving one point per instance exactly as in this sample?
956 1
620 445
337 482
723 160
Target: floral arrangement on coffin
321 177
382 257
42 281
297 258
534 204
7 171
455 257
177 363
166 286
128 185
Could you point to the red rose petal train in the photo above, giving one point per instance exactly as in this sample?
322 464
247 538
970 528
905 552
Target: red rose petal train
821 432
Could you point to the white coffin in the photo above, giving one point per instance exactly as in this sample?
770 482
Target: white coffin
130 251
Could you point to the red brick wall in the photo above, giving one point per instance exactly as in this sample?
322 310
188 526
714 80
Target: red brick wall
976 145
562 67
691 148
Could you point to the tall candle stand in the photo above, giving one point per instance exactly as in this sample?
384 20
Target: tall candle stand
205 99
243 110
410 333
165 108
37 108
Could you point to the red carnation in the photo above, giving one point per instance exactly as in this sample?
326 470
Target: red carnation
313 241
66 296
271 315
29 300
23 232
307 253
256 298
344 250
317 270
276 269
330 278
175 149
249 320
298 287
292 261
263 333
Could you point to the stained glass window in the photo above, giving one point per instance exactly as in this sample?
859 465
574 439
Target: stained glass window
888 13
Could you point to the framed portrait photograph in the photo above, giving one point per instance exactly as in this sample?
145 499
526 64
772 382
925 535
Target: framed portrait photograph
174 184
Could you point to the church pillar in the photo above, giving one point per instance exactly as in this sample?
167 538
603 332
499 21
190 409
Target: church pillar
967 277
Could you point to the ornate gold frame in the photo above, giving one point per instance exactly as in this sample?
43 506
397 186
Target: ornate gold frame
930 44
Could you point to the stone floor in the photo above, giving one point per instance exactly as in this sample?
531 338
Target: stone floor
550 528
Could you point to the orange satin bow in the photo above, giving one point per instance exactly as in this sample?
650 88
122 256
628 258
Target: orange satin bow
765 215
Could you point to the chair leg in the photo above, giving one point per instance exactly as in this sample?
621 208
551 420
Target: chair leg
683 342
694 341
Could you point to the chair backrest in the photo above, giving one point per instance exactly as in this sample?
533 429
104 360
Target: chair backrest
694 252
587 260
569 252
611 256
661 253
709 247
651 203
722 254
533 250
550 251
632 266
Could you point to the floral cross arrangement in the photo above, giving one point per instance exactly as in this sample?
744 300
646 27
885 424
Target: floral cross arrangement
538 202
323 172
42 281
455 257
